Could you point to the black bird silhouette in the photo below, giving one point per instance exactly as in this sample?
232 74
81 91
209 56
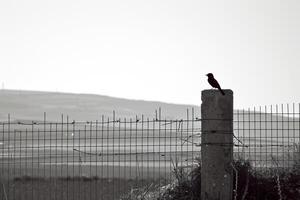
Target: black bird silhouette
213 82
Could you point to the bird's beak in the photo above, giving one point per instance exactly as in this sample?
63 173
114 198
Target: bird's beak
206 74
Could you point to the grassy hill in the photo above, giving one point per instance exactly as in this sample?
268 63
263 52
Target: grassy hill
31 105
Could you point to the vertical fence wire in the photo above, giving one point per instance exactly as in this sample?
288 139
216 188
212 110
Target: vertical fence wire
112 158
270 136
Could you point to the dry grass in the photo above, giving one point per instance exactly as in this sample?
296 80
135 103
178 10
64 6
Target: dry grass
75 188
249 184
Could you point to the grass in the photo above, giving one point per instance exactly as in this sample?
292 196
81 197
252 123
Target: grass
267 184
75 188
248 183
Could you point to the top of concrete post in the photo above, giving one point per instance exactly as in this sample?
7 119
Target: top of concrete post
216 105
214 92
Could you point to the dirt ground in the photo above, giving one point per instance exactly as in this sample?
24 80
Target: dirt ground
26 188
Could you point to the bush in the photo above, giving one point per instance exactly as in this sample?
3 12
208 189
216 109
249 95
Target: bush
270 184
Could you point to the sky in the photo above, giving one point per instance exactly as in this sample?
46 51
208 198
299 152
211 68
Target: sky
153 50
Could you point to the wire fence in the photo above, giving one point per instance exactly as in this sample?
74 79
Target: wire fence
101 159
268 136
112 157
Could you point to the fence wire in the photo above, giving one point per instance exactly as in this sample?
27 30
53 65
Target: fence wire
112 157
103 159
268 136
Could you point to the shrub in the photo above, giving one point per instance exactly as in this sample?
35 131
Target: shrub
252 184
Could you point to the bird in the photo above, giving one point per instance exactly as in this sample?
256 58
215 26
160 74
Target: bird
214 83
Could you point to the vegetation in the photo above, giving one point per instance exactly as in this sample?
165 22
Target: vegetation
249 183
75 188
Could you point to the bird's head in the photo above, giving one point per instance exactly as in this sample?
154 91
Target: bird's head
210 75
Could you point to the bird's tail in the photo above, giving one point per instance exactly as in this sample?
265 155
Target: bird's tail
223 93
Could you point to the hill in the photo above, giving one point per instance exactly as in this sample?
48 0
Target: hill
31 105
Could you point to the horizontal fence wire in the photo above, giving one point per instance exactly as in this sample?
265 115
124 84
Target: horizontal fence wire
103 159
268 136
112 157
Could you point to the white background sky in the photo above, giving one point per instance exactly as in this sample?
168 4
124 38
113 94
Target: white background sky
153 50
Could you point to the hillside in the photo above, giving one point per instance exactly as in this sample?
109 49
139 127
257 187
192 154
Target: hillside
30 105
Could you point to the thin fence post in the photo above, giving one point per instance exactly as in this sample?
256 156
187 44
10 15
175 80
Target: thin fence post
217 145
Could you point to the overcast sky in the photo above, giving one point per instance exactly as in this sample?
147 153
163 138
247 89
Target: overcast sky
154 49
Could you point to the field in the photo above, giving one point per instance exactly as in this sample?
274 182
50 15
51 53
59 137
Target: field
112 157
68 162
69 188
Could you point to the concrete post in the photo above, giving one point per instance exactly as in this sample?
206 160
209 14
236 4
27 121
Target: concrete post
217 145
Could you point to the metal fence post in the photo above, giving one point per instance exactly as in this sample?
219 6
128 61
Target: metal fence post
217 145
